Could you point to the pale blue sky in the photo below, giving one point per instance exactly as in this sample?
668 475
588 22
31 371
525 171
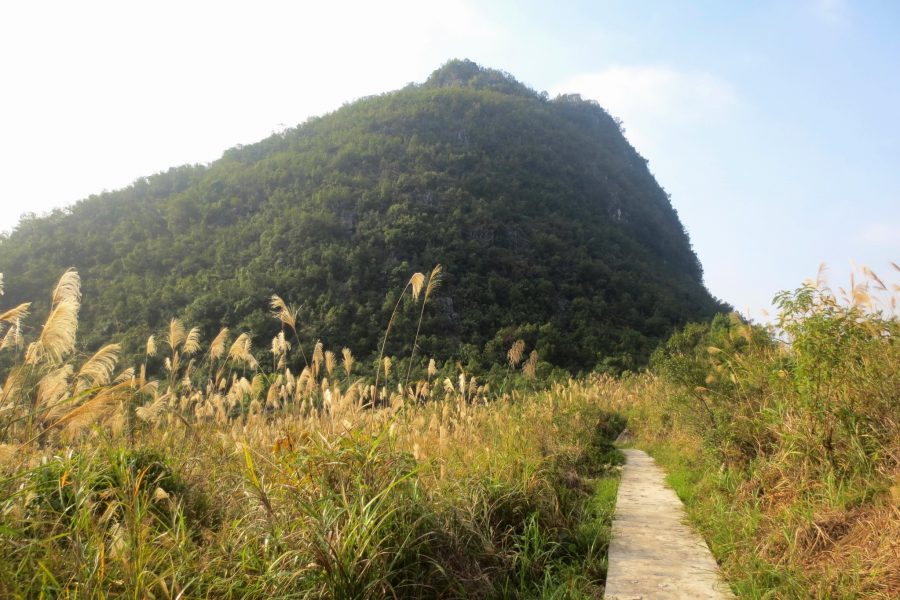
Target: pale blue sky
774 125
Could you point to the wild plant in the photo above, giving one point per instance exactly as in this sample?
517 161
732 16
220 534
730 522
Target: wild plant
434 281
790 430
230 478
415 282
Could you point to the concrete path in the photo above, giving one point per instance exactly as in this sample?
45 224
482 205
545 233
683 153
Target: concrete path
653 556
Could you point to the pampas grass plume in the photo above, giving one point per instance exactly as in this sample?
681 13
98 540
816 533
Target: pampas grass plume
217 347
348 360
192 342
98 369
175 335
68 288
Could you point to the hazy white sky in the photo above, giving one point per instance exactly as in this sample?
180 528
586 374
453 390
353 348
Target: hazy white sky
774 125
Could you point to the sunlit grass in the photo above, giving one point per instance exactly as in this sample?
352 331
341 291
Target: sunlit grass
227 479
783 442
223 480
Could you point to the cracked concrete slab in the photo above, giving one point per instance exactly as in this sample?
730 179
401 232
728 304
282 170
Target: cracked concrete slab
653 554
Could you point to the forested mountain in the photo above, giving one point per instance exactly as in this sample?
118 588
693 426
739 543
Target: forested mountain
548 224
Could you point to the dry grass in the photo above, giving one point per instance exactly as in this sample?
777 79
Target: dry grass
785 443
234 479
227 480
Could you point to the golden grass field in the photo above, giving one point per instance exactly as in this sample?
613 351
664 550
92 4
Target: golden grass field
222 478
220 481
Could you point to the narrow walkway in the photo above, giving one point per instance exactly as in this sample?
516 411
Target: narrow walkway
653 556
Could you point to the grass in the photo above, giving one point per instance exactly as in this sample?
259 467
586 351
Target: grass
224 479
207 484
506 507
783 442
759 560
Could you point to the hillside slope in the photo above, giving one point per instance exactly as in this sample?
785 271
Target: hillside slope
549 225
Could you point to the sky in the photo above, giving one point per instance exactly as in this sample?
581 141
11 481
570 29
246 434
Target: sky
773 125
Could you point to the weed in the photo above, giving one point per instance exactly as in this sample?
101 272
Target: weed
222 479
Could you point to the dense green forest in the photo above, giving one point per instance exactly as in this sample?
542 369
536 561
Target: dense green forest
549 225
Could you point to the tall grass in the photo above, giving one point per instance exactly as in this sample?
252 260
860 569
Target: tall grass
784 441
226 479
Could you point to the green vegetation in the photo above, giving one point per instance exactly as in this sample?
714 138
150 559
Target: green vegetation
204 484
456 458
550 227
784 442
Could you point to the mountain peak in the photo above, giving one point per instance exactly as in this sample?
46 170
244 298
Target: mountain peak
467 73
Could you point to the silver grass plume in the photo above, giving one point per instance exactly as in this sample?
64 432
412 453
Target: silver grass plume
432 369
348 360
98 369
217 347
14 315
530 366
318 356
192 342
68 287
126 375
281 311
96 408
151 411
13 337
514 356
53 387
58 335
175 335
240 349
329 362
416 281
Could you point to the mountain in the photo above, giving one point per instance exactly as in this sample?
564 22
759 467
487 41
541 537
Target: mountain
548 223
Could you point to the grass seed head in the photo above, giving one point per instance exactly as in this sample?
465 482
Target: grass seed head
98 369
175 334
348 360
14 315
240 349
192 341
68 288
515 353
530 366
217 347
58 336
329 362
416 281
434 280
